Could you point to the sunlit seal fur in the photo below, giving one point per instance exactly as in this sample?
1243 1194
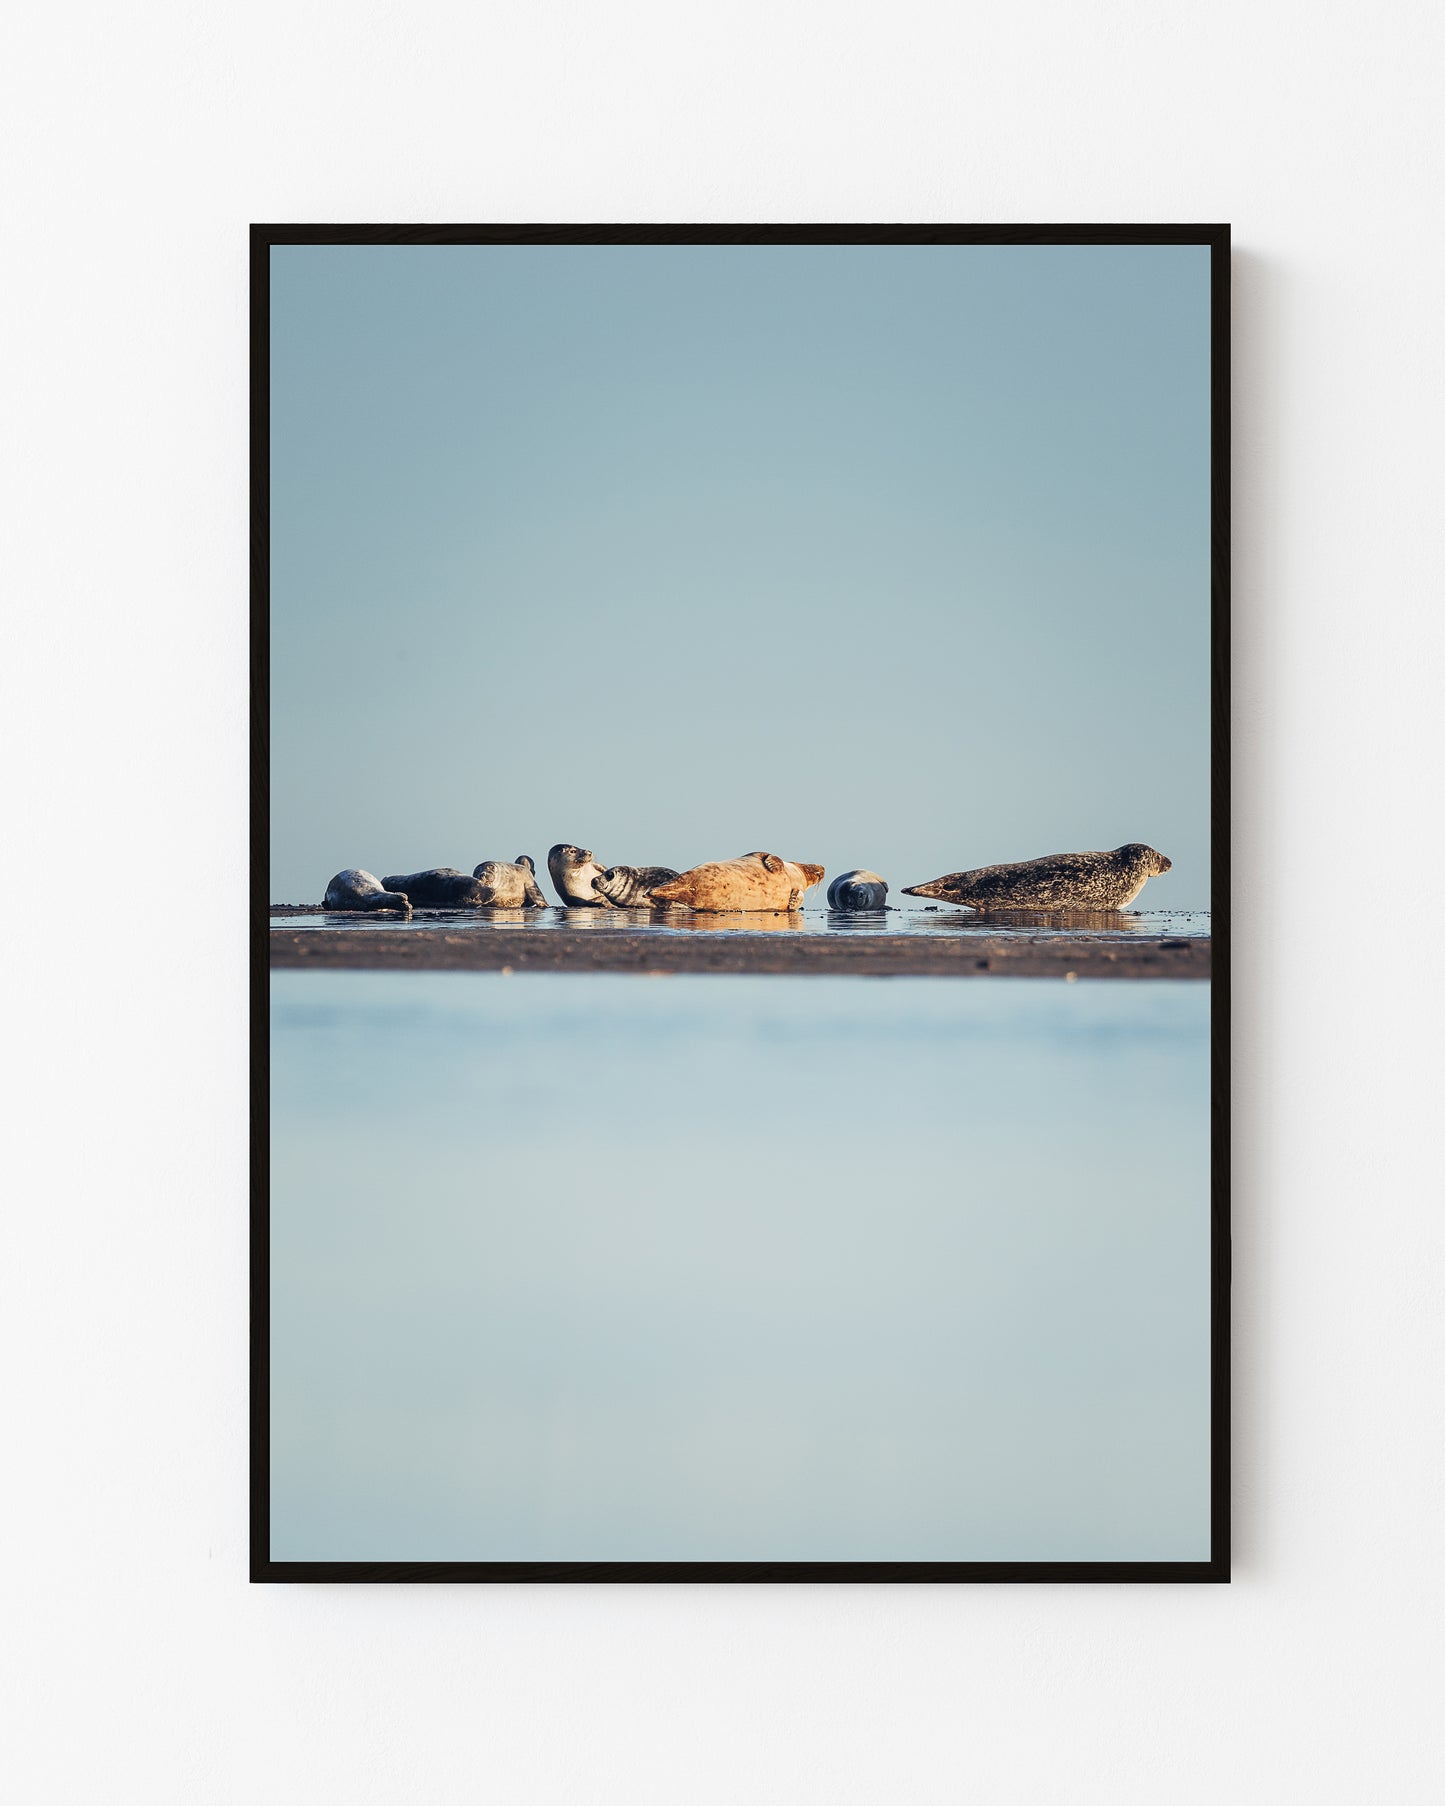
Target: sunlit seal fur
355 889
752 881
1059 881
858 891
573 869
511 886
443 887
631 886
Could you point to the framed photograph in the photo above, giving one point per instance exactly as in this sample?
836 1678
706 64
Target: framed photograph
740 1010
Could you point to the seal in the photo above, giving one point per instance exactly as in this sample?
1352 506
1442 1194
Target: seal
443 887
510 886
573 871
1058 881
631 886
858 891
355 889
751 881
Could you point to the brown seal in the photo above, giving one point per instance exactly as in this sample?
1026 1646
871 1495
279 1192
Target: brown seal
752 881
1057 881
510 886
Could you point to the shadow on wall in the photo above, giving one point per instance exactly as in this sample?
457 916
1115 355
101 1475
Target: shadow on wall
1258 672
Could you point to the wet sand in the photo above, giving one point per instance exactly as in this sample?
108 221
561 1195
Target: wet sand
956 946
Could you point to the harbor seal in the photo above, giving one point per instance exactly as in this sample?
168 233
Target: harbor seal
573 871
858 891
751 881
510 886
355 889
443 887
631 886
1058 881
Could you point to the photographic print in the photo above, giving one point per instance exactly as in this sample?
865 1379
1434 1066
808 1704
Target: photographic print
741 821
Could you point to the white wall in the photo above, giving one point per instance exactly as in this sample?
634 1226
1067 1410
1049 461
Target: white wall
139 1666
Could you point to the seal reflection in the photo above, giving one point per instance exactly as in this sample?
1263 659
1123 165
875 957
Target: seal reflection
950 919
682 921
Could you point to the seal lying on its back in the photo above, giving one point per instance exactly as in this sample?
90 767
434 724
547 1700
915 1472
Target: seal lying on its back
573 871
631 886
1059 881
510 886
354 889
752 881
443 887
858 890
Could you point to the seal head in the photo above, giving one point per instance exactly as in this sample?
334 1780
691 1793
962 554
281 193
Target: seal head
573 872
858 891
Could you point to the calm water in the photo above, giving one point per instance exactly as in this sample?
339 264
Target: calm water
589 1266
895 920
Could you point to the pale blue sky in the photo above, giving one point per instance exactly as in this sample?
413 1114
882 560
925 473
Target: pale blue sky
893 556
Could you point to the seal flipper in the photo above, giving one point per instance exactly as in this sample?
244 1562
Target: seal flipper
532 897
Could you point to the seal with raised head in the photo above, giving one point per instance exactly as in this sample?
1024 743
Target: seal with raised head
631 886
858 891
443 887
751 881
355 889
511 886
573 870
1057 881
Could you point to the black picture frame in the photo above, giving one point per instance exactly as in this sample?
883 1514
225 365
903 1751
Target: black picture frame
1217 1567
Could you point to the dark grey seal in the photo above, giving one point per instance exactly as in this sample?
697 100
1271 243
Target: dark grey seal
1058 881
630 886
858 891
573 869
511 886
443 887
355 889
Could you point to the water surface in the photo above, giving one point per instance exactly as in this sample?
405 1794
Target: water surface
922 919
591 1266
